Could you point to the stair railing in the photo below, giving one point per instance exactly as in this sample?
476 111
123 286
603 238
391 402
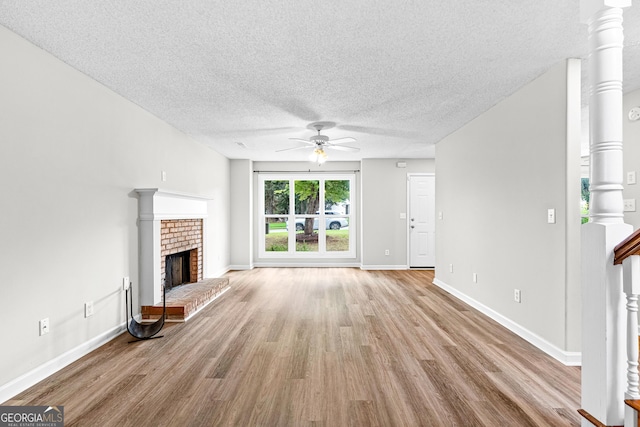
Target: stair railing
627 253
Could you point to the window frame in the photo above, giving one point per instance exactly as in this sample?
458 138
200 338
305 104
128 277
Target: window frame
291 217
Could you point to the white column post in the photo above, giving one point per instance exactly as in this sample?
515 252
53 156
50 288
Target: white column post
631 279
150 286
603 304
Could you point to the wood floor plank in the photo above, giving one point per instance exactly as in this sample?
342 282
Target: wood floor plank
320 347
457 405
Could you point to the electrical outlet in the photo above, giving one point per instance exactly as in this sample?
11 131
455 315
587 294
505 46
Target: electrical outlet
88 309
386 251
440 215
475 277
44 326
517 296
125 283
163 176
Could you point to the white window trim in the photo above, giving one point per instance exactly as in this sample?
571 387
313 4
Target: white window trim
291 217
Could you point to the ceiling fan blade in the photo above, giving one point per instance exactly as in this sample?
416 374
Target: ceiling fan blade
293 148
303 140
343 140
342 148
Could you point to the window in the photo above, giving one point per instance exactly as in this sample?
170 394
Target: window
306 216
584 202
276 209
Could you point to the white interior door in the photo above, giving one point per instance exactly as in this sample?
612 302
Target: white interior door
422 228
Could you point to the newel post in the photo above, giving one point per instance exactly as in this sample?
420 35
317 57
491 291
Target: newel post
603 302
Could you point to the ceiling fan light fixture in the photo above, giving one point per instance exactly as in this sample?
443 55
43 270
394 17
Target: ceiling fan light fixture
319 142
318 156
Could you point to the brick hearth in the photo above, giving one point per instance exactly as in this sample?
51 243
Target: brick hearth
184 301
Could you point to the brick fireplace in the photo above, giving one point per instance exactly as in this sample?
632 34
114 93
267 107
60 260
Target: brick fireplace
181 236
169 223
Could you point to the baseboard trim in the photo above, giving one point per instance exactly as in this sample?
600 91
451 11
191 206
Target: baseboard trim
23 382
220 272
240 267
568 358
384 267
305 264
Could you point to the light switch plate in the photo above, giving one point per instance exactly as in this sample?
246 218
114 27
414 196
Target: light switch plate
403 215
88 309
629 205
551 216
44 326
631 177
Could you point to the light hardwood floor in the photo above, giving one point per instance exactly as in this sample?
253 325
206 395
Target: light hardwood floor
321 347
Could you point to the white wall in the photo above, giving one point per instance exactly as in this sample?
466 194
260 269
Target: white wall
242 209
72 153
384 197
495 180
631 140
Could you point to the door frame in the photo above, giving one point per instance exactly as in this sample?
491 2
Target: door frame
408 221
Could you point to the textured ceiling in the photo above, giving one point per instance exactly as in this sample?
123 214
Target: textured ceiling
396 75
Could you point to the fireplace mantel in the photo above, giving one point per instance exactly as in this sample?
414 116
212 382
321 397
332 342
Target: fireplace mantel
155 205
162 204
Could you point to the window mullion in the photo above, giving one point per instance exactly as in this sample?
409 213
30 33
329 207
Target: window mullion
322 223
292 217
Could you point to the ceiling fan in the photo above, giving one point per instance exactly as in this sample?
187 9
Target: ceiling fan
320 142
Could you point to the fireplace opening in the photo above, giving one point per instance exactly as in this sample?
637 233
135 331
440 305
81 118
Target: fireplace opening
178 269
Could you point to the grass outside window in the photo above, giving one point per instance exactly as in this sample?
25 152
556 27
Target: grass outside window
337 241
